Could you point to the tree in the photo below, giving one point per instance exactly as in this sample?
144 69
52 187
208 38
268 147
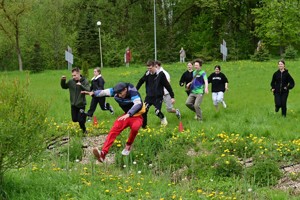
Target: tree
277 23
10 15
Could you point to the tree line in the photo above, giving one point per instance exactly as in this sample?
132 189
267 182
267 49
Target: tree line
34 34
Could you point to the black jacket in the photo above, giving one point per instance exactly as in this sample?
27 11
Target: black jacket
186 78
282 82
155 84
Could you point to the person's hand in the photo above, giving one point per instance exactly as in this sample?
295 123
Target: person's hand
273 90
78 83
63 77
87 92
124 117
206 90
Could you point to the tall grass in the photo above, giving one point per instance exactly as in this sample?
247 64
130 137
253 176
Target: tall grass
164 163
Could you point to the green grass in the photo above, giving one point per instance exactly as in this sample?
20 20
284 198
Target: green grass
250 111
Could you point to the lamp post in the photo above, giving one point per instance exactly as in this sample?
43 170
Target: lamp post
154 19
99 24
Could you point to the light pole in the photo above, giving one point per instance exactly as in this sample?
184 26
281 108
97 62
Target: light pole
154 19
99 24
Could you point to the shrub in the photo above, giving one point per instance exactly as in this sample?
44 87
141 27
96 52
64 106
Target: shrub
290 53
261 54
85 69
23 127
228 166
264 172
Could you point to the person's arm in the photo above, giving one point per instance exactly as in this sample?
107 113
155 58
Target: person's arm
167 85
141 82
100 93
63 83
182 80
291 82
273 83
205 83
85 86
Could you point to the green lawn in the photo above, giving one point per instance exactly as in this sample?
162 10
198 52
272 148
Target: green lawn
163 168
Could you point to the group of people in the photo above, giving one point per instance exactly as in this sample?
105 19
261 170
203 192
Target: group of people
158 90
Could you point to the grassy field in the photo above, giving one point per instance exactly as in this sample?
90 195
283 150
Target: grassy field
160 167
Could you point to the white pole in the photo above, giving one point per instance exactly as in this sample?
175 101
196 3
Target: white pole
99 24
155 51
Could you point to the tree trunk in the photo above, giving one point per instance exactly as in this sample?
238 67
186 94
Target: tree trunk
19 50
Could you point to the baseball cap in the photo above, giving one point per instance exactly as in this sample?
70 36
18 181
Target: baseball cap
120 87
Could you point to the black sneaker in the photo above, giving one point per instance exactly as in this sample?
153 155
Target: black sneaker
110 108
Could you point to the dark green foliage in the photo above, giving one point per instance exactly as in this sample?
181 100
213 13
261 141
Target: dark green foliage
261 54
23 127
85 69
290 52
36 63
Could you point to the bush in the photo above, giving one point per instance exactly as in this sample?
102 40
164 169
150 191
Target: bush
261 54
290 53
85 69
23 127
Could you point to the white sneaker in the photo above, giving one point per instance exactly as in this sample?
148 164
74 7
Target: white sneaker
178 115
195 117
164 121
224 104
126 150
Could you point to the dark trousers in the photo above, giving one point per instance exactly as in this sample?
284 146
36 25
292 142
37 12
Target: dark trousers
95 101
280 102
79 117
157 103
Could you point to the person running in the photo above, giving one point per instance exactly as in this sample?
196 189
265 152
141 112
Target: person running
219 84
167 97
281 83
155 83
187 77
129 99
198 86
97 83
78 102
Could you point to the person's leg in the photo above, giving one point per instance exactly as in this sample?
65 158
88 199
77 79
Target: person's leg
284 98
148 103
81 119
93 106
101 101
214 96
169 105
135 124
74 113
157 104
190 102
197 104
116 129
277 100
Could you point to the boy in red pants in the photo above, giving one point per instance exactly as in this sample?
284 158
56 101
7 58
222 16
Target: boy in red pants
131 103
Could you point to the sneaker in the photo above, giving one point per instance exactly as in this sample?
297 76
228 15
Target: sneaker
89 119
224 104
178 115
100 155
195 117
126 150
164 121
110 108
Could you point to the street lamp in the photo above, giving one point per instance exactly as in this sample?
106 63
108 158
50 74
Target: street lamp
99 24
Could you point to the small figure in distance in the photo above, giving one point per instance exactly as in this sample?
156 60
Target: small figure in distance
182 55
219 84
127 56
281 83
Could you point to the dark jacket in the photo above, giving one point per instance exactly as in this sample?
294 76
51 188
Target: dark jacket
282 82
186 78
97 83
155 84
76 98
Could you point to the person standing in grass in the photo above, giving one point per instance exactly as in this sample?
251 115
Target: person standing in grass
187 77
129 99
167 96
155 83
97 83
198 86
78 102
281 83
219 84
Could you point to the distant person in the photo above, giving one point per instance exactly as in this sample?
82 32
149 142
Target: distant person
219 84
129 99
167 97
97 83
187 77
198 86
281 83
155 83
75 85
182 54
127 56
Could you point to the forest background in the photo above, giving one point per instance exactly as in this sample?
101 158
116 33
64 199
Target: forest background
34 34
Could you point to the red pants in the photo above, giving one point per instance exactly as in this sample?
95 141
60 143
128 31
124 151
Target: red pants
134 123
